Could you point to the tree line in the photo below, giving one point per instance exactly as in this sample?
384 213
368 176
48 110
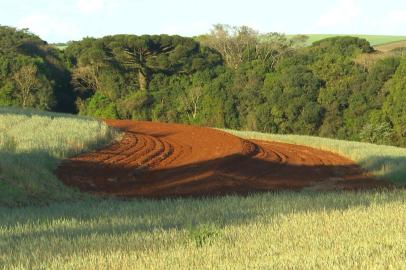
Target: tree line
232 77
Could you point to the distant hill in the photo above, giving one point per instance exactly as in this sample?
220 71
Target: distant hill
375 40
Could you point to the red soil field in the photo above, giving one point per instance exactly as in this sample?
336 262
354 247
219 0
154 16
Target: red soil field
157 160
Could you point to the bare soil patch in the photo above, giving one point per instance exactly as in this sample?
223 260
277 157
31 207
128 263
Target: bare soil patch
158 160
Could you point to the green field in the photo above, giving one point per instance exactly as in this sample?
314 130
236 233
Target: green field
32 143
373 39
285 230
290 230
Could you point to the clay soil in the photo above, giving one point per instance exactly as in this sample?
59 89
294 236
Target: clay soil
157 160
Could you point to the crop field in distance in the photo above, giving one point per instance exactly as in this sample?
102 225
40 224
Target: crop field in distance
373 39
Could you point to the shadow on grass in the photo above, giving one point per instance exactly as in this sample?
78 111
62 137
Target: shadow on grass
393 168
27 178
115 218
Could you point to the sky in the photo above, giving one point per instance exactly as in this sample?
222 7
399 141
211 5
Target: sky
64 20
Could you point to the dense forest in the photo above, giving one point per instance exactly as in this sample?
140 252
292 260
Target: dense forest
232 77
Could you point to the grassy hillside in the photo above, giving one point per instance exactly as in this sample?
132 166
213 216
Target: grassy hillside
31 145
384 161
373 39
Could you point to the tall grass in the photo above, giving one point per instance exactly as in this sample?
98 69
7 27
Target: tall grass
265 231
383 161
31 145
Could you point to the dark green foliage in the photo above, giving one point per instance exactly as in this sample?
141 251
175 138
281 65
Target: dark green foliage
99 106
13 40
343 45
32 73
394 106
365 105
377 133
291 93
146 76
230 78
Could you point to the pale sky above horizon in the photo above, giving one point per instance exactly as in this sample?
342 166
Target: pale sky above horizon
64 20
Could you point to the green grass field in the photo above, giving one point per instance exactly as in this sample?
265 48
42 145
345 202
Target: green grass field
290 230
373 39
286 230
31 145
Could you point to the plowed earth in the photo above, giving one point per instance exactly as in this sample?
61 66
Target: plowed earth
162 160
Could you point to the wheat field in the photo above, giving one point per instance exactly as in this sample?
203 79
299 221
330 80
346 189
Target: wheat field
31 145
289 230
